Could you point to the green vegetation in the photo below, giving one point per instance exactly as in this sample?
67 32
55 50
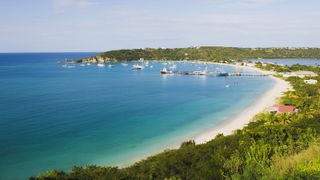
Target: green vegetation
272 146
303 165
285 68
215 54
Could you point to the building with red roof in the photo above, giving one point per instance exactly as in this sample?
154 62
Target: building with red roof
280 108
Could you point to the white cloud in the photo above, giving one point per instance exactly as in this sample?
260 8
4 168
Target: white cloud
63 5
246 3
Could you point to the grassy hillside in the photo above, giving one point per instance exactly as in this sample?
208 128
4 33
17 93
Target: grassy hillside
272 146
301 165
204 53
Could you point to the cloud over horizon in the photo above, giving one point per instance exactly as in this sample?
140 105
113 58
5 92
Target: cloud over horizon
96 25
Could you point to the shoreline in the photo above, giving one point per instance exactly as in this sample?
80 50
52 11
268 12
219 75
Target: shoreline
241 119
238 121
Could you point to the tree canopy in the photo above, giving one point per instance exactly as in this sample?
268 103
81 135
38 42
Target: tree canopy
204 53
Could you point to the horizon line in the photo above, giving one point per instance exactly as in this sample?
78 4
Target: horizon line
279 47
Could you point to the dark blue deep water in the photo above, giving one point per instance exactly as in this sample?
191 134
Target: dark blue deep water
57 117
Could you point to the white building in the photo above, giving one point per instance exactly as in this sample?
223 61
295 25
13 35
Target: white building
141 59
300 74
310 81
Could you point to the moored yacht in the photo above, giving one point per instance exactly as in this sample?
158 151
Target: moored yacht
204 72
137 67
199 73
165 71
100 65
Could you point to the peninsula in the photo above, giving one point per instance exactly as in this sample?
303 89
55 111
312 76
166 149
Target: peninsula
202 53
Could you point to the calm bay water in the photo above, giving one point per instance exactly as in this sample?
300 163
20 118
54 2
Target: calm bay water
55 117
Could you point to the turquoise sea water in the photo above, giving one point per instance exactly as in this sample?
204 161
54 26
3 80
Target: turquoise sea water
55 117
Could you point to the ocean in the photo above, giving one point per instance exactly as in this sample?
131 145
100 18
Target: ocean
56 117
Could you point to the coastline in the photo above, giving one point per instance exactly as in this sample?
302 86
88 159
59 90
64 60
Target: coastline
243 118
232 124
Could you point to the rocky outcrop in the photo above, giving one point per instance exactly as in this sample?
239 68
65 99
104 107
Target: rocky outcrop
93 59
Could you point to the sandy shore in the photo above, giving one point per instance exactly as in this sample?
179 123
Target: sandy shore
240 120
237 122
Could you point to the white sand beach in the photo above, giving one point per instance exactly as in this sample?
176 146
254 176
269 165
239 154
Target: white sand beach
236 122
240 120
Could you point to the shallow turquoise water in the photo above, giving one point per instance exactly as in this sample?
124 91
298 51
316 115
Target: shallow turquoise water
55 117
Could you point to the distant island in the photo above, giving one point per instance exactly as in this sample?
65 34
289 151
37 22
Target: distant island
202 53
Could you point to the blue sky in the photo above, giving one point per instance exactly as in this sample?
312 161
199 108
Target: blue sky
97 25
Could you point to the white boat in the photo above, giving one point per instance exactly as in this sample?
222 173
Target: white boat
164 63
165 71
100 65
227 86
110 66
82 65
198 73
173 67
204 72
151 66
124 64
64 66
137 67
88 64
70 67
206 69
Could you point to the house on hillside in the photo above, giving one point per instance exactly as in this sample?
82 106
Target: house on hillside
300 74
310 81
253 64
280 108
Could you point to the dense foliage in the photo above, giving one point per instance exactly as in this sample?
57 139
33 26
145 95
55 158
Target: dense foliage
286 68
272 146
205 53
